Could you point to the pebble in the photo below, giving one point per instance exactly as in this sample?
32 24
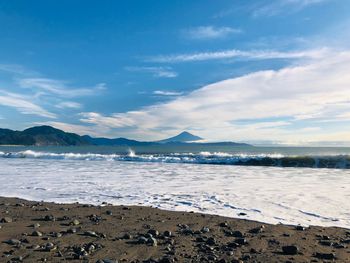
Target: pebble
290 250
328 256
49 218
75 222
153 232
127 236
142 240
167 233
90 234
205 230
37 234
257 230
300 228
107 261
13 242
223 224
6 220
152 241
241 241
49 247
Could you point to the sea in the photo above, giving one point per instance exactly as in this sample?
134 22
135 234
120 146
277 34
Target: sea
287 185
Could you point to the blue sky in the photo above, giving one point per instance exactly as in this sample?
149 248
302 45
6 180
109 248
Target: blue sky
257 71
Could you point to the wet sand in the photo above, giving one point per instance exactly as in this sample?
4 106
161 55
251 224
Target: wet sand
48 232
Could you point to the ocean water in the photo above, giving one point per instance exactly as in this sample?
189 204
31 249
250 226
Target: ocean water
308 186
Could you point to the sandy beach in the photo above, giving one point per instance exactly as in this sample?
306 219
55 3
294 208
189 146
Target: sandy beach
48 232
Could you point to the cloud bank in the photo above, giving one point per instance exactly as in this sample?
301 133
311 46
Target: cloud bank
310 93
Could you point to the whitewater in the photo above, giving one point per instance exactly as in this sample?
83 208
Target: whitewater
186 182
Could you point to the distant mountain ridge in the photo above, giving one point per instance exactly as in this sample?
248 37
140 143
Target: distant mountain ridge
49 136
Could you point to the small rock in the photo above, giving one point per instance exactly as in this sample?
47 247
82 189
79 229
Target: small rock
328 256
75 222
109 212
49 218
211 241
36 225
6 220
167 233
37 234
300 228
13 242
127 236
90 234
257 230
152 241
107 261
290 250
241 241
153 232
142 240
205 230
49 247
223 224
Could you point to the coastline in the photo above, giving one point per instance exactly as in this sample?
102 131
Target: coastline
86 233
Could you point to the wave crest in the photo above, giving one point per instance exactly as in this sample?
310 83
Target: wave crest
277 160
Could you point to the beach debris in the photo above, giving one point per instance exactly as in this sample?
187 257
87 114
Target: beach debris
290 250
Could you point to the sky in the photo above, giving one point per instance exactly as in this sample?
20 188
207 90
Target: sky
265 71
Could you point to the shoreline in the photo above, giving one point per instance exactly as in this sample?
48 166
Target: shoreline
33 231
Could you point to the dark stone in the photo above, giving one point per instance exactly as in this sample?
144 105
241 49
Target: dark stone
49 218
211 241
290 250
241 241
153 232
37 234
167 233
223 224
6 220
257 230
300 228
328 256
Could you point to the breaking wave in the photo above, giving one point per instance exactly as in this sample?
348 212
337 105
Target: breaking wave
220 158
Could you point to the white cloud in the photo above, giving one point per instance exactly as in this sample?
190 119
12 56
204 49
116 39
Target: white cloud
23 104
167 93
58 87
276 7
315 89
239 54
210 32
158 72
68 104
